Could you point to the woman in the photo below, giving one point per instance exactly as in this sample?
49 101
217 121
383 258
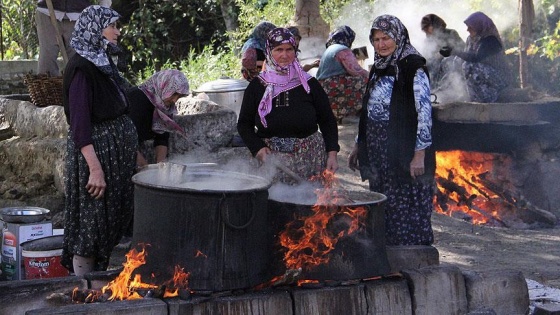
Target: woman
252 52
485 67
394 145
101 146
437 37
340 74
152 106
288 107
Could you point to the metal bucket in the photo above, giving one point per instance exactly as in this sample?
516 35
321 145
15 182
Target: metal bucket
225 91
207 221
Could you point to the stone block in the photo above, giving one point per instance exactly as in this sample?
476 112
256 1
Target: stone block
347 300
411 257
265 303
504 291
388 297
133 307
437 290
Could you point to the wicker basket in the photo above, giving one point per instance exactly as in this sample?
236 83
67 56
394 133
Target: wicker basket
44 90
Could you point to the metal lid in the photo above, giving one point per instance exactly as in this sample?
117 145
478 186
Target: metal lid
224 84
171 176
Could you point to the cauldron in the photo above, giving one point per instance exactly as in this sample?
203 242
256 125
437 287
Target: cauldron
207 221
359 255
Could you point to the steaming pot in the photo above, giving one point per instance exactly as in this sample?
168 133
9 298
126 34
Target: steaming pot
225 91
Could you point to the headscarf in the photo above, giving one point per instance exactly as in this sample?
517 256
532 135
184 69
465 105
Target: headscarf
394 28
88 41
432 20
342 35
483 26
160 86
276 78
257 39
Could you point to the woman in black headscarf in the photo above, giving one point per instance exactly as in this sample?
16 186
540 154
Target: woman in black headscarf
394 144
101 147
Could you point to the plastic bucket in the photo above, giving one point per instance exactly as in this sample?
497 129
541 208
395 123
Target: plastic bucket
41 258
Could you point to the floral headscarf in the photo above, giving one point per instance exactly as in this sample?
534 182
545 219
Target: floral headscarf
483 26
160 86
342 35
394 28
257 39
277 78
88 41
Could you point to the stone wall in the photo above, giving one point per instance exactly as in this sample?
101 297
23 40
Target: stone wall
12 73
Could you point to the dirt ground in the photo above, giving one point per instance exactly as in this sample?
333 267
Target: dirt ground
534 252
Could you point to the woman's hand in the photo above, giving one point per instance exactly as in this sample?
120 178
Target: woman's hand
332 161
262 154
96 182
417 164
353 158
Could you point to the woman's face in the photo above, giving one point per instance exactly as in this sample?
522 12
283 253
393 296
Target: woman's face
284 54
382 43
472 32
172 99
112 33
429 30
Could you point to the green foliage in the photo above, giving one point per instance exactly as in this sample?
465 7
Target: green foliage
19 36
162 30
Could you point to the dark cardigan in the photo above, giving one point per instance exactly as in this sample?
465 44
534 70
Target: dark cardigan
105 99
403 122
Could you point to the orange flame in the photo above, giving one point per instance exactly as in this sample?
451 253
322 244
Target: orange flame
309 240
126 285
458 180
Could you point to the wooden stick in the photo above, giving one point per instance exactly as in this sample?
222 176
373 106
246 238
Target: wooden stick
59 38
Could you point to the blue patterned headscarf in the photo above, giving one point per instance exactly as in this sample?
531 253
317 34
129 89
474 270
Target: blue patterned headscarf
88 41
394 28
342 35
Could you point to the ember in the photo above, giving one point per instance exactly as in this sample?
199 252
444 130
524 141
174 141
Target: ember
309 240
127 286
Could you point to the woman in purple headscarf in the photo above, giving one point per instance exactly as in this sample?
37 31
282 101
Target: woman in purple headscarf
341 75
485 67
284 109
101 147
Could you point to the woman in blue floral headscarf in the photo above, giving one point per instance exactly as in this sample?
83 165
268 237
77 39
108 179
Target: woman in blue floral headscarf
341 75
394 144
101 147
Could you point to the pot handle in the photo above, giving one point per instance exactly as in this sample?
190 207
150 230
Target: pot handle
223 210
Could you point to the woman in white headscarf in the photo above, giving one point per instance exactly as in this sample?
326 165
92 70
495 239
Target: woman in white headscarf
101 146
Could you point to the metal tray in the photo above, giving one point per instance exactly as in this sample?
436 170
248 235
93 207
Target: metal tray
24 214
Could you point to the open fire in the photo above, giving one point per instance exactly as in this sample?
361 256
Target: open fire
129 286
309 240
478 187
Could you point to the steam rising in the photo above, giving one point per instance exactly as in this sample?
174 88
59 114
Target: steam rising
359 15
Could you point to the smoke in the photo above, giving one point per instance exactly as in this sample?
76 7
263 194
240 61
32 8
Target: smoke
359 15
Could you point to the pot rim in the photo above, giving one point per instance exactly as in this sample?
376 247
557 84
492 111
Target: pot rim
261 182
13 215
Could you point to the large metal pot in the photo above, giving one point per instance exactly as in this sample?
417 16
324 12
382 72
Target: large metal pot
360 255
210 222
225 91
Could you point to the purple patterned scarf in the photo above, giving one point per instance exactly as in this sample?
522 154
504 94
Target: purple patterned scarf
278 79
